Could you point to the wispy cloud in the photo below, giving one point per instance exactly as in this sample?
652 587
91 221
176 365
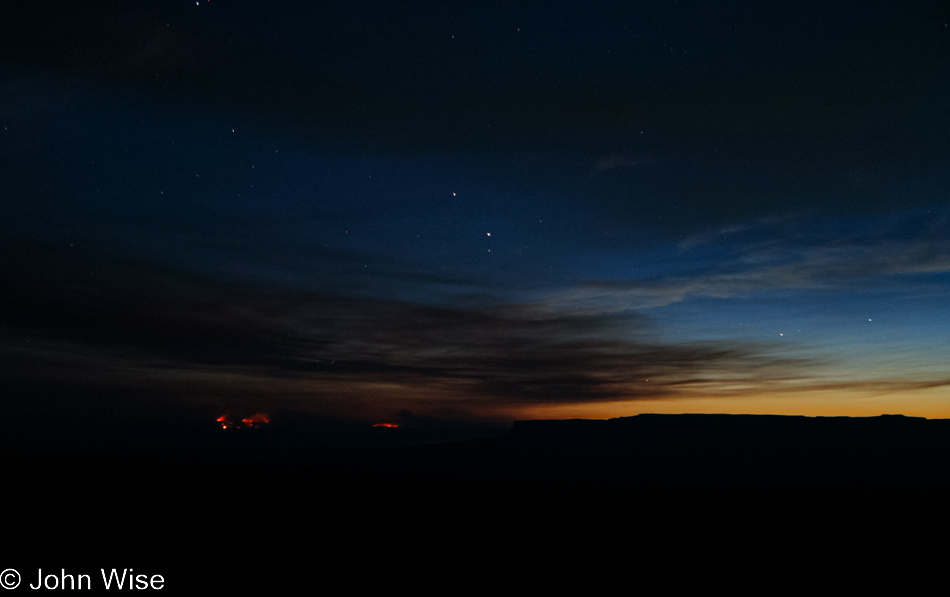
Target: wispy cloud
766 267
124 321
198 329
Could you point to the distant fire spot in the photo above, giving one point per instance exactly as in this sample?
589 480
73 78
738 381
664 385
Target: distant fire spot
252 422
256 420
386 425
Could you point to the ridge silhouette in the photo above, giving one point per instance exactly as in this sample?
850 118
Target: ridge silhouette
659 488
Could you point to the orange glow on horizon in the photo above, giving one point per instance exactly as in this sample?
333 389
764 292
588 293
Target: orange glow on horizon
928 403
386 425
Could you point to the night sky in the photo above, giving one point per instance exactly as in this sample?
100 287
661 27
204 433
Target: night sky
381 211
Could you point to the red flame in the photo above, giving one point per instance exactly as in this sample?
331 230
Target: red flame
386 425
256 420
252 422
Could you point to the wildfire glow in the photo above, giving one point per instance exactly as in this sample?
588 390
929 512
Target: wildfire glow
385 425
252 422
256 420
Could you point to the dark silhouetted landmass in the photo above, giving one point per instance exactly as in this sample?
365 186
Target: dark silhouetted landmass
266 506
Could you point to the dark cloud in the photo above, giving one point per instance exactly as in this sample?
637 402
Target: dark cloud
513 354
146 318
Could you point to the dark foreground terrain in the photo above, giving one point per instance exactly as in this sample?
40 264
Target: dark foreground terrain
550 500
